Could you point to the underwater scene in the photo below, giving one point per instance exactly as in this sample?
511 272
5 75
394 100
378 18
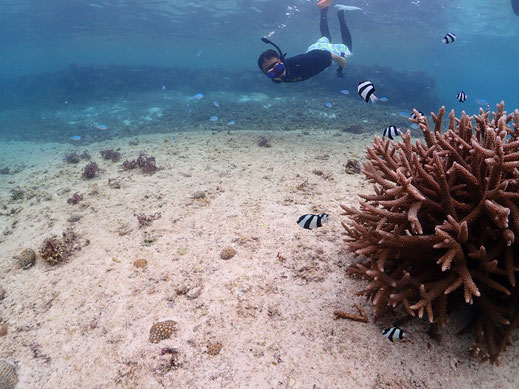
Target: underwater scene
259 194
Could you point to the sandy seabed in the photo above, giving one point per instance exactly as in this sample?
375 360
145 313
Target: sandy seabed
262 319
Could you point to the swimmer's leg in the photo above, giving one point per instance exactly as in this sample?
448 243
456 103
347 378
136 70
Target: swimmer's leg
345 32
325 31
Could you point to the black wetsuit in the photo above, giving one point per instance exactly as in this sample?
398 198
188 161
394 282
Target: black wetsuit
304 66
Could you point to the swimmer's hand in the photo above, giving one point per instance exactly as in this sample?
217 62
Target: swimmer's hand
340 61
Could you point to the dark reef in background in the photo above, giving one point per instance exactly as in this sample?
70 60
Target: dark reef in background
94 83
515 6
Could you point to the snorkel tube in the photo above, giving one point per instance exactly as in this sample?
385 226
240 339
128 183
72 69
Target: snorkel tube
269 42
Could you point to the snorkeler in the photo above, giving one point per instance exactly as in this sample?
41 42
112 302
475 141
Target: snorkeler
318 57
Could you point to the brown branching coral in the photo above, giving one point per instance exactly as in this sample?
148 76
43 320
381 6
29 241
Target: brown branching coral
440 229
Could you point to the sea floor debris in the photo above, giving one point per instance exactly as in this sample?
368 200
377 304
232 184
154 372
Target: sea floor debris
265 310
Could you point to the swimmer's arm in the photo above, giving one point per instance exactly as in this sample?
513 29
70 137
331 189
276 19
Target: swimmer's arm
340 61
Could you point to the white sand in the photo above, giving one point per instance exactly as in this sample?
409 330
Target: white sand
85 323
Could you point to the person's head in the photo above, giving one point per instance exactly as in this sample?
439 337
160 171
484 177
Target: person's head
270 64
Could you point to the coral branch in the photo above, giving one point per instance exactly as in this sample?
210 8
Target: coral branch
444 215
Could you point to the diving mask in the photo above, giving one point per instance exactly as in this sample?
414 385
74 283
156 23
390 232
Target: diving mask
275 70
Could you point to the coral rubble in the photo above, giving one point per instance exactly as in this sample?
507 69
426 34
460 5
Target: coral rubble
214 348
352 166
227 253
54 250
140 263
8 375
439 231
162 330
27 258
72 157
17 194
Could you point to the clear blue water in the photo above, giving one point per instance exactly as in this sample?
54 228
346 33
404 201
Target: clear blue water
221 40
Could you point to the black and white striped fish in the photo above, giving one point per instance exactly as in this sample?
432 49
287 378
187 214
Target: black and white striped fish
488 107
394 333
391 131
366 90
449 38
310 221
413 116
461 97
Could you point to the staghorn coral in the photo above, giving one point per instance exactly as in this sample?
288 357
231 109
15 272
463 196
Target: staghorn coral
143 161
85 155
147 163
90 170
129 165
72 157
439 231
145 220
263 141
111 154
75 199
162 330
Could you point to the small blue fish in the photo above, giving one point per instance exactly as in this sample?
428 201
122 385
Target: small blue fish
404 114
216 103
383 99
198 96
481 101
199 53
345 92
163 87
213 118
101 127
231 123
174 138
329 105
75 137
